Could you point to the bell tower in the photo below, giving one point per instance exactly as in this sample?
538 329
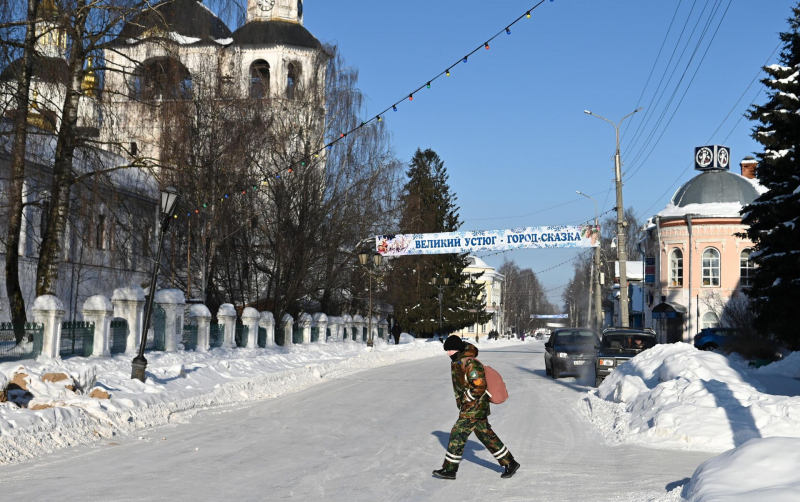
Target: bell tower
290 11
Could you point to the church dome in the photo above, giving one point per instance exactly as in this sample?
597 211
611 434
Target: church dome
714 187
263 33
185 21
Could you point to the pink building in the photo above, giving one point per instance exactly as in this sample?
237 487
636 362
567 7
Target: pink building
700 262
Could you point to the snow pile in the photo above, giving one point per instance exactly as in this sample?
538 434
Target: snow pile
761 469
177 383
404 338
787 367
678 396
711 209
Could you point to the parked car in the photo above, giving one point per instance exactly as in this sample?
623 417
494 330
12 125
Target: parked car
618 346
713 338
570 350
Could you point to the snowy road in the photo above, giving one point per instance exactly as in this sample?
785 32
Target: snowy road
373 436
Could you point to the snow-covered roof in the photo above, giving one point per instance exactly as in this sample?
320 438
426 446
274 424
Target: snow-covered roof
713 194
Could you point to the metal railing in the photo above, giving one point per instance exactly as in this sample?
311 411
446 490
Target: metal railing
297 335
77 339
216 336
119 336
242 333
20 341
189 338
262 337
314 334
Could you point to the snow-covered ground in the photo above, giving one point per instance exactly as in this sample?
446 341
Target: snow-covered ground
680 397
367 436
63 413
676 396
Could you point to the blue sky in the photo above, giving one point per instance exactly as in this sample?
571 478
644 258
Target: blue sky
510 125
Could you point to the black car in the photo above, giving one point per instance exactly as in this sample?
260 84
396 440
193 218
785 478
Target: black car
618 346
570 350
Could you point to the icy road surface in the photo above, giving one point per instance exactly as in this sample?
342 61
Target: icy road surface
373 436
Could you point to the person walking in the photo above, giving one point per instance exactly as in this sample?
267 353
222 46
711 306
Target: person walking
396 331
469 387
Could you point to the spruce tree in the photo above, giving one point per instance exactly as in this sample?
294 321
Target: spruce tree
774 218
429 206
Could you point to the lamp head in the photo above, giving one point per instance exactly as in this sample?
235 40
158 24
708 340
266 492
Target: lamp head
587 112
169 199
433 280
377 258
362 258
446 280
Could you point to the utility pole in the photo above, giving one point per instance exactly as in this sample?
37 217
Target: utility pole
621 254
595 273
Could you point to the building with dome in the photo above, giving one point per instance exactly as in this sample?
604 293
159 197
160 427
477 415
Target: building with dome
699 262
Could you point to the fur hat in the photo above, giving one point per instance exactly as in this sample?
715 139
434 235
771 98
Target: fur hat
454 342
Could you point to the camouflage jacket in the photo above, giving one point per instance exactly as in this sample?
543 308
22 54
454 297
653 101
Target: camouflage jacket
469 384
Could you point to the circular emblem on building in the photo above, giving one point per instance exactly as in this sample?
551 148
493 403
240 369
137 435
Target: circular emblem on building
723 157
704 157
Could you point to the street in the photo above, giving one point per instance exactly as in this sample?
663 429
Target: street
373 436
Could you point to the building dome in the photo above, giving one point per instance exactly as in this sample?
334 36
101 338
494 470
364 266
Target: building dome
713 187
190 20
264 33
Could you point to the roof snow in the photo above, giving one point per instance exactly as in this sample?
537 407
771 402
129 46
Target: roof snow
711 210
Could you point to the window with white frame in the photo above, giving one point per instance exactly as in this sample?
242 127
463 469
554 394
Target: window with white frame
709 320
746 269
711 267
471 329
676 268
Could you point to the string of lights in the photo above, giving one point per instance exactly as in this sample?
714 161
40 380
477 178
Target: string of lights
379 117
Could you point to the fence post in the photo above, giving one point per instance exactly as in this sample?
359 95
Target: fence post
333 324
129 305
173 303
321 320
267 321
347 327
200 316
98 309
288 332
305 323
374 333
250 319
358 326
226 315
49 310
384 325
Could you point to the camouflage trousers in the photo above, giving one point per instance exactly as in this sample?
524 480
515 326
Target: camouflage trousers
461 432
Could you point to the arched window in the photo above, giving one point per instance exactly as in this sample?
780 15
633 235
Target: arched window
259 79
711 267
163 78
676 268
709 320
746 269
292 80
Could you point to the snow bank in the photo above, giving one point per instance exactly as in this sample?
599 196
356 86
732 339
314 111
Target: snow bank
177 384
406 338
787 367
678 396
761 469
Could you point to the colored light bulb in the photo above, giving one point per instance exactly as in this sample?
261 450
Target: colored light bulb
508 31
429 85
411 97
205 205
196 211
465 59
528 14
380 119
486 45
394 107
448 73
226 196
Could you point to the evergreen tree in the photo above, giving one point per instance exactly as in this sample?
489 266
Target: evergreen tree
428 206
774 218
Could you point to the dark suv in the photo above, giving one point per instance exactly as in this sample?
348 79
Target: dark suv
619 345
570 350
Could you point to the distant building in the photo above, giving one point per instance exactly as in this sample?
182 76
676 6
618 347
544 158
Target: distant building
701 263
492 293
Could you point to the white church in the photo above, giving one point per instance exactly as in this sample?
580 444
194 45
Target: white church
177 50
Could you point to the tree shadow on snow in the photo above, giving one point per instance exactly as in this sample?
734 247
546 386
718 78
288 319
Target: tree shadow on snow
743 425
469 451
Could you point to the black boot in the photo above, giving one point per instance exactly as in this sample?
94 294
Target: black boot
441 473
510 469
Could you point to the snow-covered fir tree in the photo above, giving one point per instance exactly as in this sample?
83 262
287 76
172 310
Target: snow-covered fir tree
774 218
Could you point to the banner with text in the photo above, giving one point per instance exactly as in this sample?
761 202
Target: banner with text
476 241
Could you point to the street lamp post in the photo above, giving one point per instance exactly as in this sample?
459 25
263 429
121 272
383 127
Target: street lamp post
169 198
441 296
363 258
475 297
621 255
595 269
